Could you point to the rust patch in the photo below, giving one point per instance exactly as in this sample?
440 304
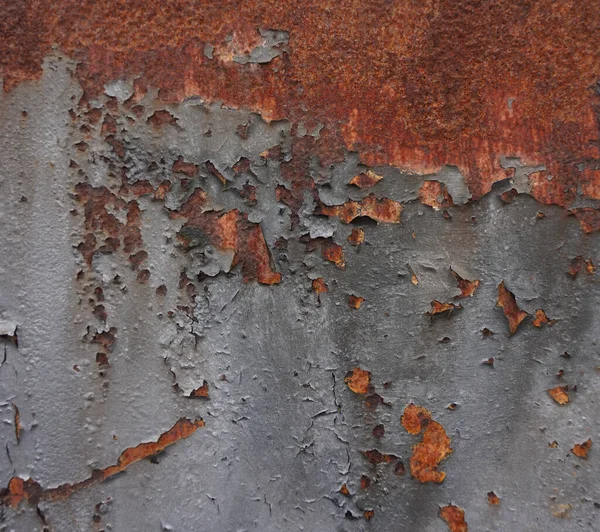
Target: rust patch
542 319
509 196
365 482
333 253
188 169
201 392
379 431
355 301
231 231
493 499
436 195
345 491
369 514
19 490
430 97
376 457
366 179
442 308
506 300
588 218
319 286
578 263
467 288
380 210
582 449
358 380
454 517
433 448
560 394
356 237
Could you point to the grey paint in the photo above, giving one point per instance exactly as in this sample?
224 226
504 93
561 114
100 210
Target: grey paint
283 432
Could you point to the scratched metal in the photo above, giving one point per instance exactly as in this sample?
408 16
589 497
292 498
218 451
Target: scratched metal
283 432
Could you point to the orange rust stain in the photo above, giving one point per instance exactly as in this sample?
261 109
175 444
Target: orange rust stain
345 491
467 288
435 194
433 448
454 517
19 490
320 286
493 499
380 210
506 300
441 308
357 236
358 380
366 179
509 195
462 84
188 169
369 514
560 394
202 391
582 449
541 318
355 301
333 253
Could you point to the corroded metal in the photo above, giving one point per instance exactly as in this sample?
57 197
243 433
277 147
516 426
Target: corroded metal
299 267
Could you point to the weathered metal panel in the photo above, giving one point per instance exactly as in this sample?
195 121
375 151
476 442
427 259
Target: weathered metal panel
299 267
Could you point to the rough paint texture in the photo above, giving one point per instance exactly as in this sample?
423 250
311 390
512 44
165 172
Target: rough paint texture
218 211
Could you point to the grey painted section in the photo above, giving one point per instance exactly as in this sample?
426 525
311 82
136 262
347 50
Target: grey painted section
283 432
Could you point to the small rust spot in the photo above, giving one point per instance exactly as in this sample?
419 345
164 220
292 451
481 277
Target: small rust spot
357 236
379 431
467 288
436 195
366 179
541 318
161 118
188 169
441 308
369 514
454 517
578 263
345 491
319 286
201 392
333 253
376 457
365 482
560 394
509 195
355 301
582 449
433 448
18 426
358 380
506 300
493 499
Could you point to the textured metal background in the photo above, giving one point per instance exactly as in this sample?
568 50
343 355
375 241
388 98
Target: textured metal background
178 252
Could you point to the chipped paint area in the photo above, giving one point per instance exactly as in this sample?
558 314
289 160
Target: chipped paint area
178 254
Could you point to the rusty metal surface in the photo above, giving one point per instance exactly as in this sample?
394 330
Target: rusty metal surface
299 267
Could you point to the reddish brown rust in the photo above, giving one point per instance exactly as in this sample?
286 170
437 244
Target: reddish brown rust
376 457
357 236
435 194
358 380
541 319
467 288
202 391
433 448
506 300
19 490
493 499
582 449
381 210
442 308
333 253
355 301
461 84
345 491
366 179
319 286
578 263
17 421
454 517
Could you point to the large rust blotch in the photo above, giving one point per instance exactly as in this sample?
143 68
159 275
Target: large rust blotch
431 450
